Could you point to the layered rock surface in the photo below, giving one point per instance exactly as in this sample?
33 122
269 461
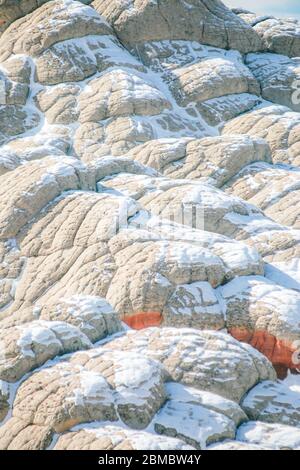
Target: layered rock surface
149 226
279 35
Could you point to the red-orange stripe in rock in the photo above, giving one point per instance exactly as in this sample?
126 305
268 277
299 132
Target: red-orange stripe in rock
141 320
279 352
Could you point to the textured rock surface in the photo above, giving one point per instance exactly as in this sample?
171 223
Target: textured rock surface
212 159
273 402
125 379
278 125
116 438
208 22
11 10
270 322
149 226
278 35
278 77
278 437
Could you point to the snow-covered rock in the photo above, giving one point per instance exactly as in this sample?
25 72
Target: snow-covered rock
275 436
146 184
111 437
136 22
280 35
273 402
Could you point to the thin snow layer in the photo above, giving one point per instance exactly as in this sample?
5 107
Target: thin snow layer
185 394
75 9
286 177
292 382
82 305
286 274
48 334
234 254
181 52
236 445
36 334
285 302
93 388
274 71
274 402
110 49
193 423
140 440
92 384
47 141
4 389
207 195
135 377
276 436
198 417
186 254
141 89
199 297
253 224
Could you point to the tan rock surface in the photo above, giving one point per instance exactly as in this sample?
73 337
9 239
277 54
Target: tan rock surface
194 20
146 184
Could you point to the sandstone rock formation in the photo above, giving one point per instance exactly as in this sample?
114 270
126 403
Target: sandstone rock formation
209 22
116 438
280 35
149 226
